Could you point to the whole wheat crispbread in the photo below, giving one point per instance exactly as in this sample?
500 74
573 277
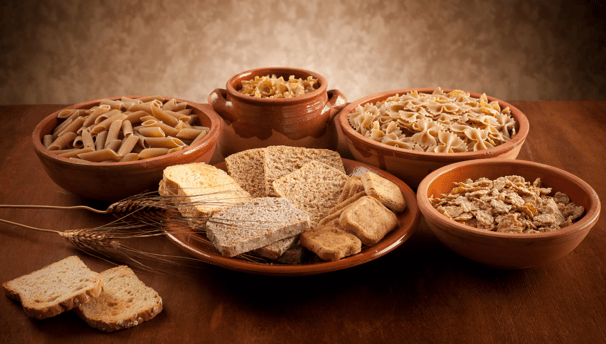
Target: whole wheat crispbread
368 219
125 302
385 191
331 243
255 224
55 288
246 168
203 189
282 160
314 188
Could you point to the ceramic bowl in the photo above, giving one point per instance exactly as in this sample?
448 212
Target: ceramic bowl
303 121
508 250
412 166
112 181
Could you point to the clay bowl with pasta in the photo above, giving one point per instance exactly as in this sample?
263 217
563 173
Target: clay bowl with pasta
510 244
277 106
97 154
411 137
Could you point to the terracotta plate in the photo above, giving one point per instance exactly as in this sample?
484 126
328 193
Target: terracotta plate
407 223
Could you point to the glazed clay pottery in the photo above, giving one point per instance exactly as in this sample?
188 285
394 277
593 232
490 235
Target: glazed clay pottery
303 121
412 166
112 181
508 250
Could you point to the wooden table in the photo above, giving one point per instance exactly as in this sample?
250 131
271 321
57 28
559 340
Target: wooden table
421 292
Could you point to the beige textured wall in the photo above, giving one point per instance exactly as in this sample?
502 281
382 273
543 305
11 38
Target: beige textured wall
71 51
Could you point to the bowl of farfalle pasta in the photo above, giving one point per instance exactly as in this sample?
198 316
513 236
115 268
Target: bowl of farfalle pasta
109 149
412 132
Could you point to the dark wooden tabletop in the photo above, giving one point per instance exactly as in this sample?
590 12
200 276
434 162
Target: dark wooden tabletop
420 292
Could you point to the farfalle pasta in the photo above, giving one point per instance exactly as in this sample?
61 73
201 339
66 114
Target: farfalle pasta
274 87
438 122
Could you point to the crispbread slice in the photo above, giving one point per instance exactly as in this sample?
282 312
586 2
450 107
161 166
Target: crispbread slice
246 168
314 188
351 187
385 191
368 219
255 224
276 250
282 160
331 243
204 189
55 288
125 302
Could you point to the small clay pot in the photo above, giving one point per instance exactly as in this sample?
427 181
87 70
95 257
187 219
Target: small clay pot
112 181
508 250
303 121
412 166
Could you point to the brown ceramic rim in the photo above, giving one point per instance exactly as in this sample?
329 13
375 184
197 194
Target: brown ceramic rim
212 136
518 139
432 215
279 71
391 241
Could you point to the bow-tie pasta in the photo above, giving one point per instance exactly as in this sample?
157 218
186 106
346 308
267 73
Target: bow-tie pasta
439 122
274 87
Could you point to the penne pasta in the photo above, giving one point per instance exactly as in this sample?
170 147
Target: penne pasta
61 126
127 145
62 141
176 149
152 152
114 104
152 132
170 131
47 140
100 140
87 139
188 133
113 144
106 123
147 107
135 117
164 117
113 131
185 112
163 142
93 116
199 137
180 106
73 126
74 152
65 114
151 99
169 105
78 143
99 156
130 157
127 128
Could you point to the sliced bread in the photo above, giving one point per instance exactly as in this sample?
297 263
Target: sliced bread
277 249
368 219
331 243
203 189
125 302
282 160
246 168
314 188
55 288
385 191
255 224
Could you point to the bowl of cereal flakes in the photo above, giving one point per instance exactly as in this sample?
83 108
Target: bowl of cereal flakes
508 214
109 149
412 132
277 106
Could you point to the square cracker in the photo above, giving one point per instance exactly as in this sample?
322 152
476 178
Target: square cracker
385 191
368 219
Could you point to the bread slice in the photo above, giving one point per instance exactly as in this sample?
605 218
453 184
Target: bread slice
55 288
277 249
246 168
293 255
205 189
331 243
385 191
351 187
125 302
314 188
258 223
282 160
368 219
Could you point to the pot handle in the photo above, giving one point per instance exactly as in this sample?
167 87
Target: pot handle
336 102
221 105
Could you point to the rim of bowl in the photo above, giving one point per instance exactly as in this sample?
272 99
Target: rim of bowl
518 139
279 71
212 135
591 216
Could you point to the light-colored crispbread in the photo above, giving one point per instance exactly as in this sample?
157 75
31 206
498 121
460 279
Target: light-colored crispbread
55 288
282 160
368 219
314 188
125 302
246 168
204 189
277 249
352 186
331 243
385 191
255 224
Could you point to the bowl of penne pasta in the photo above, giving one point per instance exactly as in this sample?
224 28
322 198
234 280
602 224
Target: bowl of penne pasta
109 149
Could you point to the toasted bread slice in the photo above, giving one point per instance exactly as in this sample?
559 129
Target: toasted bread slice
282 160
368 219
277 249
352 186
385 191
204 189
125 302
255 224
55 288
331 243
314 189
246 168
